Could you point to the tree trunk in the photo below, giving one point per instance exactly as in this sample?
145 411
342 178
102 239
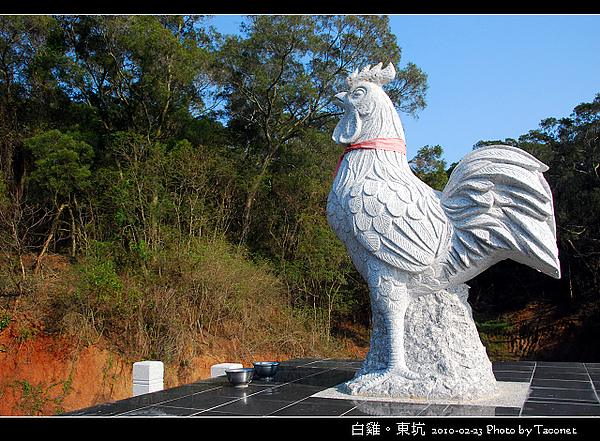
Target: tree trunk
38 261
252 197
73 240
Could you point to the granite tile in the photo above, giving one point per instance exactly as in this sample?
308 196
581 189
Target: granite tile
555 373
515 376
560 364
105 409
330 364
240 392
327 378
543 394
159 411
251 406
287 375
298 362
144 400
557 389
513 365
316 407
457 410
434 410
532 408
200 401
385 408
356 363
508 411
291 392
560 384
215 413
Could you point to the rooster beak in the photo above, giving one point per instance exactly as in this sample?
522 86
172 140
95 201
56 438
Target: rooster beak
339 100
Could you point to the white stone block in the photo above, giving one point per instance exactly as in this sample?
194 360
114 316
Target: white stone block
141 389
147 377
218 370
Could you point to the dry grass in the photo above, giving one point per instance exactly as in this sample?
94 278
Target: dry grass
185 302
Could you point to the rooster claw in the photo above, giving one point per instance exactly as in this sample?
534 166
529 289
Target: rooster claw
366 383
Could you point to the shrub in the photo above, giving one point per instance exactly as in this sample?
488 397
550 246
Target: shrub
186 300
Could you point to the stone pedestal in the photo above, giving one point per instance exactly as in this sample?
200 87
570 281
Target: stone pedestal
147 377
444 349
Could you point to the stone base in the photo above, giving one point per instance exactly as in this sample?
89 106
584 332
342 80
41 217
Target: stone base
443 348
508 394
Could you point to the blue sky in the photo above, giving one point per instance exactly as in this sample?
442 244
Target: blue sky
491 76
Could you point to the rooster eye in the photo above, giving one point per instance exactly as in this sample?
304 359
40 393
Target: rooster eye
359 92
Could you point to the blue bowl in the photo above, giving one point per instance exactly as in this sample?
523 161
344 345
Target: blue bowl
266 369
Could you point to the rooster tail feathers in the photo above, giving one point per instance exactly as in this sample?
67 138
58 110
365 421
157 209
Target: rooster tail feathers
500 205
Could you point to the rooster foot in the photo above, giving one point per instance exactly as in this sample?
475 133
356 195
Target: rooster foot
366 383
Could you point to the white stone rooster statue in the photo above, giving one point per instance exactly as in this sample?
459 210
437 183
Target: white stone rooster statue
408 240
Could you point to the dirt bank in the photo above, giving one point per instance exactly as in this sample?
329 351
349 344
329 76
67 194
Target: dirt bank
45 374
49 374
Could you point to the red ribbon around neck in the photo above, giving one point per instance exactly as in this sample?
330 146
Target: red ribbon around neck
392 144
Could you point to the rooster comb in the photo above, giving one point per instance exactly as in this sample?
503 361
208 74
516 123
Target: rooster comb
376 75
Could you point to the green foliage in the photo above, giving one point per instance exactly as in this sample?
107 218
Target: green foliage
140 73
61 165
278 84
36 399
100 278
494 327
187 296
5 318
99 301
429 166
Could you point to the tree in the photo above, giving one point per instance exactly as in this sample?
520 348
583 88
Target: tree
429 166
30 49
140 73
571 148
279 81
60 172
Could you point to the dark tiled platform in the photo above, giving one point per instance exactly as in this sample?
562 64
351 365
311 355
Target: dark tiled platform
555 389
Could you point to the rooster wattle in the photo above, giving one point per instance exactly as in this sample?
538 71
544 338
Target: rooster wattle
408 240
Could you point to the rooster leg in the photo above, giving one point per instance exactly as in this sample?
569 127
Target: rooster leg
396 366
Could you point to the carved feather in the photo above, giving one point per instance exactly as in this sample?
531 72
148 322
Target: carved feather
498 199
